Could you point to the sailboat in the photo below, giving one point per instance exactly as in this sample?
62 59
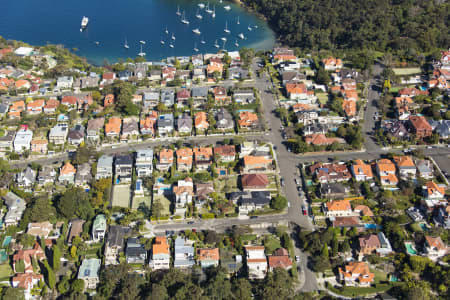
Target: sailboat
249 28
238 21
196 31
223 39
171 45
216 45
142 42
241 36
214 12
141 54
198 15
183 18
166 31
227 7
226 30
256 26
97 43
236 44
202 41
162 42
178 11
208 10
173 37
201 5
126 44
195 48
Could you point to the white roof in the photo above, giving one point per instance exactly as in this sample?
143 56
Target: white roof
23 51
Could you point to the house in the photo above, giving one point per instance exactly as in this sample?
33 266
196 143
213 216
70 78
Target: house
442 217
184 192
75 229
292 77
155 75
279 259
58 134
368 244
386 171
333 190
254 164
69 101
16 108
184 124
124 75
330 172
76 135
51 106
199 95
140 71
283 54
442 127
361 171
232 263
27 256
337 208
251 182
320 139
64 82
151 99
123 168
405 166
256 262
349 107
85 82
225 153
433 195
42 229
26 281
183 96
395 129
434 248
93 129
114 244
363 211
112 128
16 207
168 98
403 107
35 107
108 78
39 145
109 100
26 178
89 272
198 74
420 126
356 274
425 168
331 63
84 176
46 175
184 159
203 192
144 162
130 128
201 121
247 119
67 173
253 201
135 252
184 253
165 124
165 160
147 125
346 222
168 73
7 140
197 59
104 167
84 101
385 248
203 157
220 96
224 120
160 255
215 66
23 138
296 91
237 73
208 257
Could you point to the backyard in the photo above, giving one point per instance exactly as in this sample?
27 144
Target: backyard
121 196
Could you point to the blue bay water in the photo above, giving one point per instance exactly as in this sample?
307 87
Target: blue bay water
113 21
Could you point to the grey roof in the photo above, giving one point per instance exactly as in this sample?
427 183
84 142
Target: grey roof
150 96
165 120
168 97
130 125
125 73
116 235
199 91
184 121
105 161
76 133
443 128
30 174
8 137
3 108
257 198
135 248
332 188
95 124
126 159
144 153
12 200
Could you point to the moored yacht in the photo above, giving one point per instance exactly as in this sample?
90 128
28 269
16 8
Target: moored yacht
196 31
84 23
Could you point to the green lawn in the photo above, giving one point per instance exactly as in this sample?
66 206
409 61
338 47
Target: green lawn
165 203
322 97
121 196
138 200
5 272
271 244
406 71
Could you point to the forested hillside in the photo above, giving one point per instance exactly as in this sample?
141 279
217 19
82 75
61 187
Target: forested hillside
400 25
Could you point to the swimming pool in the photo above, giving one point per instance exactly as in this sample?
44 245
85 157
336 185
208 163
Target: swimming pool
410 249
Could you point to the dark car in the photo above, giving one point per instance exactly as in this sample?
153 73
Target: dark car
304 211
254 217
190 222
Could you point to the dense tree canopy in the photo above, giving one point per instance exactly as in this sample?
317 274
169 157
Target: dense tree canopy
399 25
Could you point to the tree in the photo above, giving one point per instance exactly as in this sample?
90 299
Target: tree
26 240
242 289
10 293
279 202
77 285
63 286
158 291
20 266
50 274
277 285
83 154
324 252
56 256
322 76
75 202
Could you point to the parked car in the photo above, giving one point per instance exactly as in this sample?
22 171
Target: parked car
304 211
297 258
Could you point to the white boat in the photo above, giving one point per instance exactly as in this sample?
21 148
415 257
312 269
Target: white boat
227 7
183 19
178 11
141 54
202 41
238 21
198 15
226 30
236 44
216 45
241 36
195 48
97 43
171 45
166 31
84 23
126 44
162 42
196 31
201 5
173 37
223 39
249 28
142 42
214 12
256 26
208 10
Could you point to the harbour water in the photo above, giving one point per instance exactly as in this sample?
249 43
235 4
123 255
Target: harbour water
114 21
